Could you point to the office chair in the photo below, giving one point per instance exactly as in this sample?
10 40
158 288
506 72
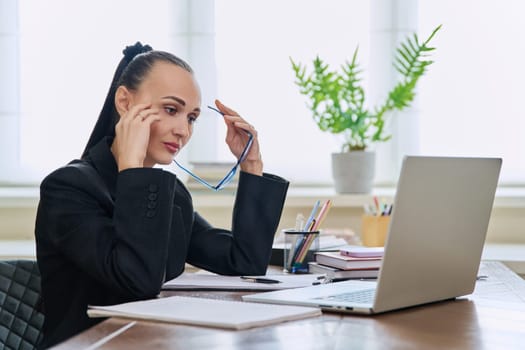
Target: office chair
21 320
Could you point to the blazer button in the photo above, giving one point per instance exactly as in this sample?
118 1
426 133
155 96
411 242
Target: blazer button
153 188
152 205
150 213
152 196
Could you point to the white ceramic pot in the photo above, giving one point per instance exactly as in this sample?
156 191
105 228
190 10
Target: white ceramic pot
353 172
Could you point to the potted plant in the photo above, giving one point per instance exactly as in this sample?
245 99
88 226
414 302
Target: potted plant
337 102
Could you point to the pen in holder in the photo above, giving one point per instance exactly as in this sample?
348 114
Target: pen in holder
299 248
374 229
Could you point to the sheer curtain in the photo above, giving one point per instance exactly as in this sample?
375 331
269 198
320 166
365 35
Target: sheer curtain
468 104
254 43
68 53
471 103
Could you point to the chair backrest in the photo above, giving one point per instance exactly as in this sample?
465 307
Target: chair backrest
21 320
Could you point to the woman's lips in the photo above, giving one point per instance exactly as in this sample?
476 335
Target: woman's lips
172 147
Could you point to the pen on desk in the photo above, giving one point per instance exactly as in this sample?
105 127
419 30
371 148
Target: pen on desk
259 280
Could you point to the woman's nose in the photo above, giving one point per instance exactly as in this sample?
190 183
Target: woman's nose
180 127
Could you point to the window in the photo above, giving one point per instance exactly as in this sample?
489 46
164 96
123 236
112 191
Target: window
471 102
69 52
468 102
254 43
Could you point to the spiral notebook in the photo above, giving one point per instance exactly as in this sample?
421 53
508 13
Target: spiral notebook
205 312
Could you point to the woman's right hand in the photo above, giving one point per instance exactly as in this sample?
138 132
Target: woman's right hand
132 136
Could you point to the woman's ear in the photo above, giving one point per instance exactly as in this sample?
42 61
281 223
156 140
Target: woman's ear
122 100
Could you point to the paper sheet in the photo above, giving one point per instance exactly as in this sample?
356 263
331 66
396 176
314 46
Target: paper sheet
197 281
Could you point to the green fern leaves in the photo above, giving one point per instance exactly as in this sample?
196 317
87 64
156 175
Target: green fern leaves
337 99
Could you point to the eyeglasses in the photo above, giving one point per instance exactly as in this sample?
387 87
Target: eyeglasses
231 174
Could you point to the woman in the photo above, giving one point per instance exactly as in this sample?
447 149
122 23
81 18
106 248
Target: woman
110 228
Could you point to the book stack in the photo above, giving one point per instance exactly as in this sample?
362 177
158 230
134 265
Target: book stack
212 173
350 262
326 243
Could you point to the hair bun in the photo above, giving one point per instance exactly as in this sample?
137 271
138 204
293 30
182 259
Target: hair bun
131 51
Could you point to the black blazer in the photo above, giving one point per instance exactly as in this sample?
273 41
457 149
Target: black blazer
106 237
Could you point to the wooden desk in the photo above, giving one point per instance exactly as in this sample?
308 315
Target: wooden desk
492 317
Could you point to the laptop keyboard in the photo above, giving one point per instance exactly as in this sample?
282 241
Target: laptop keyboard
359 296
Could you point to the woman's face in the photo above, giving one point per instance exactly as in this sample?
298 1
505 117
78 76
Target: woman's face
174 92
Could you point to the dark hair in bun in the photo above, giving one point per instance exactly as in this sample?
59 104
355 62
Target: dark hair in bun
133 50
132 69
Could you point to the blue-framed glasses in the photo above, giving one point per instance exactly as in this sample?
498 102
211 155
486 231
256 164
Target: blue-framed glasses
231 174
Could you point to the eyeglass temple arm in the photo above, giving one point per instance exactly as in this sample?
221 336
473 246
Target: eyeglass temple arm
218 111
250 140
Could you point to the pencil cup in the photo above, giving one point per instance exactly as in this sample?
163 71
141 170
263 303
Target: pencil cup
374 229
299 248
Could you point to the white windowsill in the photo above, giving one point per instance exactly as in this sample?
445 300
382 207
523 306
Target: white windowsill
19 197
506 197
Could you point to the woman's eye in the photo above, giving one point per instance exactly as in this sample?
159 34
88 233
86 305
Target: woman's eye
171 110
192 119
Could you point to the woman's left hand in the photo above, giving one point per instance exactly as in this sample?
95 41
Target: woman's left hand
236 138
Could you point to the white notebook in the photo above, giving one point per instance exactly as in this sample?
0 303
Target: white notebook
205 312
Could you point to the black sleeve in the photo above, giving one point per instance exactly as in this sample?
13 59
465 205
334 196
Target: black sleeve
125 246
246 249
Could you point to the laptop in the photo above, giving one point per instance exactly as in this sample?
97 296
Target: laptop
433 248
